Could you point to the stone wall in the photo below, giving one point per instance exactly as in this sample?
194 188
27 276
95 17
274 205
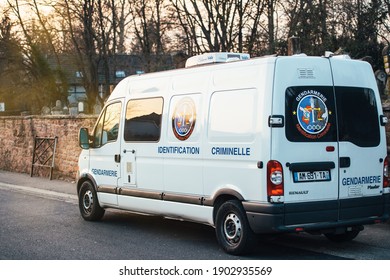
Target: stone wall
17 143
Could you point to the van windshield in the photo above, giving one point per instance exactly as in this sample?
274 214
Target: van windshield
311 115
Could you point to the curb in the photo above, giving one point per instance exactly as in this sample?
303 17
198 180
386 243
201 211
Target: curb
40 192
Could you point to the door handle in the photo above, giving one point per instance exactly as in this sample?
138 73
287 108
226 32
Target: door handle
117 158
345 162
131 151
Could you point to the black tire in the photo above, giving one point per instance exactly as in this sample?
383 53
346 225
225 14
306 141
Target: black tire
342 237
88 203
233 232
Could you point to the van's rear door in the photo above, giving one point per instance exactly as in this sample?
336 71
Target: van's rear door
306 145
331 144
361 139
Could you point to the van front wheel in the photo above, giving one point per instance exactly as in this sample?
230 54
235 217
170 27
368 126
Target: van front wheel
232 228
88 203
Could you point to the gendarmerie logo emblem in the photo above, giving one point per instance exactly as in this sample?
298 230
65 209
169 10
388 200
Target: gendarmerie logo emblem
183 119
312 114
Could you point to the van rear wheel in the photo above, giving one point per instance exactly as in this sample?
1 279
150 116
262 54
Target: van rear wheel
88 203
232 228
342 237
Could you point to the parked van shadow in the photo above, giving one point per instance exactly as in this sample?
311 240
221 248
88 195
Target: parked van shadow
162 238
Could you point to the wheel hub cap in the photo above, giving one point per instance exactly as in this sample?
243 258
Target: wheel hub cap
88 201
232 228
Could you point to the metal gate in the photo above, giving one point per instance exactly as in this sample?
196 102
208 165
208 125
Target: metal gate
44 154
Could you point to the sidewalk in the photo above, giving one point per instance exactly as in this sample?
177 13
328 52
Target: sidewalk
37 185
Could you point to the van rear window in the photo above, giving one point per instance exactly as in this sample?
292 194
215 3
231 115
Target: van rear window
311 115
357 115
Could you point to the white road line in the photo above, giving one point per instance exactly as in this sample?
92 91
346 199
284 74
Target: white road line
39 192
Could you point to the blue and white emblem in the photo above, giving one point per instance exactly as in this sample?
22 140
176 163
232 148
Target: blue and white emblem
312 114
184 118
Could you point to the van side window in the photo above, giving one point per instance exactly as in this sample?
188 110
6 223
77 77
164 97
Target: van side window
107 127
143 119
357 116
232 116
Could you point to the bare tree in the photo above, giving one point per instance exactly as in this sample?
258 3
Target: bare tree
12 69
42 80
81 26
97 30
210 23
150 25
233 25
384 26
303 21
120 11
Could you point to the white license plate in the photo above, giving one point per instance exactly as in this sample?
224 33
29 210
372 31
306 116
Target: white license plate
312 176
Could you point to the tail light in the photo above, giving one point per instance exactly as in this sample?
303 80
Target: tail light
386 174
275 185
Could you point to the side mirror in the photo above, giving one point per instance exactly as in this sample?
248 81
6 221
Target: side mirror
84 138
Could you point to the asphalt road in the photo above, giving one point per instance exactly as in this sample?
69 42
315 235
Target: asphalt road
38 228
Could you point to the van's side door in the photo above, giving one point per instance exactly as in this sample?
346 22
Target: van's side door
105 152
183 164
141 167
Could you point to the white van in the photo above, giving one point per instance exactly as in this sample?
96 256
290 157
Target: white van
272 144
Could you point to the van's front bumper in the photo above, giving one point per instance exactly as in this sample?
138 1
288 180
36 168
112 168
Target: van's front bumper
317 216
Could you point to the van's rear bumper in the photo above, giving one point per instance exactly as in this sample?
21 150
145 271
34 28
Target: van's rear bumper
317 216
